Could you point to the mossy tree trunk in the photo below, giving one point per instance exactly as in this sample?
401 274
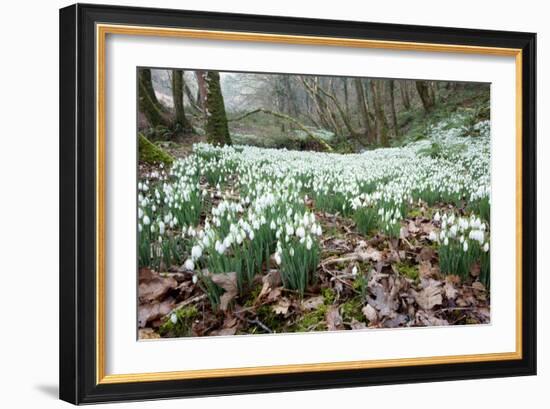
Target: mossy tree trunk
146 78
426 94
180 121
148 102
217 131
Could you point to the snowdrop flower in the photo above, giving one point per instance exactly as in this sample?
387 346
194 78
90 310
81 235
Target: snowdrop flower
446 241
277 258
354 271
140 213
174 318
300 232
319 230
227 242
251 234
291 252
195 279
432 236
486 247
289 230
453 230
196 252
272 226
189 264
146 220
437 217
465 246
220 248
161 228
309 244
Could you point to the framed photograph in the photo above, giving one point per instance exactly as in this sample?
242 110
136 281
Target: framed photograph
258 203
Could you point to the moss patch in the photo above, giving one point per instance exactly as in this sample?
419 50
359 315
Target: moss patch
179 324
352 309
312 321
408 271
152 154
270 319
328 295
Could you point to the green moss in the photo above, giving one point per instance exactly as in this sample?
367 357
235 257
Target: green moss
312 321
184 318
352 309
252 296
408 271
328 295
361 283
415 212
217 131
269 318
152 154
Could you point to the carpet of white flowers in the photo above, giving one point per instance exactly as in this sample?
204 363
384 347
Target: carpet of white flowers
241 240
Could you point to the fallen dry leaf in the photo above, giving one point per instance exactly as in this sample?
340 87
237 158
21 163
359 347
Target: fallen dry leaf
478 286
227 281
384 301
153 286
334 320
357 324
152 311
229 327
397 320
426 254
282 306
413 229
429 319
270 281
312 303
370 254
147 333
430 296
274 295
370 313
425 269
450 291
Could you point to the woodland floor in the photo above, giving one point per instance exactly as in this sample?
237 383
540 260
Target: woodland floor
361 282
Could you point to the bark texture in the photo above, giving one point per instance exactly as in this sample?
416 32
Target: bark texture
217 131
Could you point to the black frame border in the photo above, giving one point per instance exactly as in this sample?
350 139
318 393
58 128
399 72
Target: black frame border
78 197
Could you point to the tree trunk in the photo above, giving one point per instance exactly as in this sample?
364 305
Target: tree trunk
391 86
346 95
217 131
147 98
380 116
405 95
177 94
201 94
146 78
426 95
364 109
311 135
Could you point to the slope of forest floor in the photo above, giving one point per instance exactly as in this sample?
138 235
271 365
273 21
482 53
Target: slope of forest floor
376 279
